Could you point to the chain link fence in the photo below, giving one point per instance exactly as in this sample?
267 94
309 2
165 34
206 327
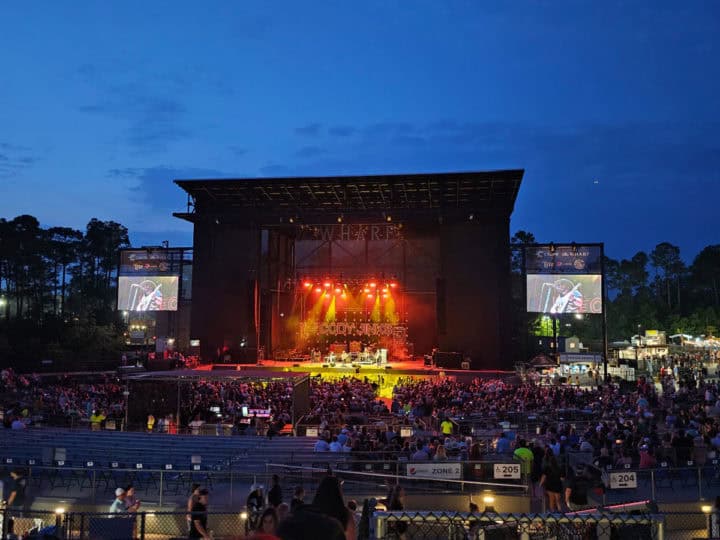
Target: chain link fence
378 525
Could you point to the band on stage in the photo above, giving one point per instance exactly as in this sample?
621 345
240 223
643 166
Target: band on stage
368 356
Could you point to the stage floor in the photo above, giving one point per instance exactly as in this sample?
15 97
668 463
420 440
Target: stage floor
414 367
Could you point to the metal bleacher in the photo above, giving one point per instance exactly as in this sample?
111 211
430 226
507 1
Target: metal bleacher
122 450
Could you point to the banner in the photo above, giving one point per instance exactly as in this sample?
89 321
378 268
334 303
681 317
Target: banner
564 259
333 233
134 262
353 329
438 471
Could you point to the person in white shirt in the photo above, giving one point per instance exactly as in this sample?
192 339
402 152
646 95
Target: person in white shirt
195 426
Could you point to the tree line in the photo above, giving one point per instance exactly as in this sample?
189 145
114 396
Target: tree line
58 288
659 290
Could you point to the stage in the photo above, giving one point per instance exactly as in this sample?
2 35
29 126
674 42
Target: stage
414 368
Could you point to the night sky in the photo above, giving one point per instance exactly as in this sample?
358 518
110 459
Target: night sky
613 108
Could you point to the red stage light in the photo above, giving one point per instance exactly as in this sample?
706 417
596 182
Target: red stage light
318 290
338 290
370 295
393 285
343 296
307 284
385 290
367 290
373 285
385 295
327 284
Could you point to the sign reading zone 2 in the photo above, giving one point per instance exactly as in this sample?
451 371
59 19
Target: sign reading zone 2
506 471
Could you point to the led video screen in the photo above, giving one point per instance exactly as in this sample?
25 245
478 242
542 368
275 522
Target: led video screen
569 293
148 293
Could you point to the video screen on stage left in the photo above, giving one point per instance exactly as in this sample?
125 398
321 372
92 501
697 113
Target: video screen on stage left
148 293
566 293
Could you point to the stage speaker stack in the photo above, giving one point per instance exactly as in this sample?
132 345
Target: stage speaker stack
448 360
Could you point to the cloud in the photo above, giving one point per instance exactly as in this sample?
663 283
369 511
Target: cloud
14 160
154 120
238 150
274 169
309 130
310 151
342 131
154 187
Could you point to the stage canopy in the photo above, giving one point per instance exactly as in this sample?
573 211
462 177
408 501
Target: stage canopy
403 197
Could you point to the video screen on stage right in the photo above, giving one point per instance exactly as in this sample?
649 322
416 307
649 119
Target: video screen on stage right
567 293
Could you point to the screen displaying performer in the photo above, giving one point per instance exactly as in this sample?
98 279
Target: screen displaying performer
148 293
556 294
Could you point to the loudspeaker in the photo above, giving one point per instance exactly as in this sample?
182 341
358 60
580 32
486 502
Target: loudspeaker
440 306
448 360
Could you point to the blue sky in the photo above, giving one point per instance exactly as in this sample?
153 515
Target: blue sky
613 108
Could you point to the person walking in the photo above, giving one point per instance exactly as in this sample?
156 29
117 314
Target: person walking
198 515
551 480
275 493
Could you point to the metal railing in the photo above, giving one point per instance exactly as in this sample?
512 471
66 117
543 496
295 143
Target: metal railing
424 525
490 526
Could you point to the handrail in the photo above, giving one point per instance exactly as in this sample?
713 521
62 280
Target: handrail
522 487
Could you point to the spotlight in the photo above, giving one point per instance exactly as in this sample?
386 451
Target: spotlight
370 295
339 219
471 217
373 285
307 284
393 285
388 218
60 510
366 290
338 290
291 220
327 284
318 290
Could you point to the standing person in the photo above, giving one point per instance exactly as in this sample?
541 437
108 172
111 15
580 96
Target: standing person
551 480
18 491
118 505
576 491
446 427
132 503
298 500
198 515
329 500
396 503
268 522
525 456
192 499
150 423
275 493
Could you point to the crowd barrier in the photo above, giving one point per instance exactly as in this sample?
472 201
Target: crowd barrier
376 526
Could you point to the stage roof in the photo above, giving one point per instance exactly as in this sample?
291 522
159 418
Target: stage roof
322 199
